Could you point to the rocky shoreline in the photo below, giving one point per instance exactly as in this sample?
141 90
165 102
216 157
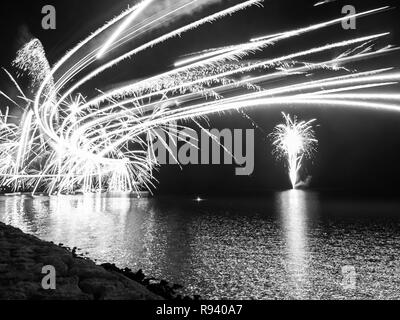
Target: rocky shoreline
23 256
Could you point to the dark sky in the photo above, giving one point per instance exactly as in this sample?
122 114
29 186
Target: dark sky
358 150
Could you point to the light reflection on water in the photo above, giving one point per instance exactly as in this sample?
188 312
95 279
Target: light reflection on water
291 245
294 207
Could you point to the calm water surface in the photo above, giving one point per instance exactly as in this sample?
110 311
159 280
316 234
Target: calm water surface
287 245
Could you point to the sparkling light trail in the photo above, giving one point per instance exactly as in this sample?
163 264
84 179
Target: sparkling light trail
294 140
141 7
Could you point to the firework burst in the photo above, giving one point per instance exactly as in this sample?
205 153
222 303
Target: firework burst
68 140
294 141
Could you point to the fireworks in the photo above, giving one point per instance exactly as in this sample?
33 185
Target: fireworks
294 141
68 140
142 6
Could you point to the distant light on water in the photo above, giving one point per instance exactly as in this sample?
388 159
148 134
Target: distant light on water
198 199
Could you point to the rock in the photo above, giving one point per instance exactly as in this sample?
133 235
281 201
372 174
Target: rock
4 268
57 263
23 256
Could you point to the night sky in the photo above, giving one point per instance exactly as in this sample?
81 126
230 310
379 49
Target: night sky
358 149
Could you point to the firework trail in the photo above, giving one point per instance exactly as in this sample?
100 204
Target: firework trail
294 141
68 140
320 3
